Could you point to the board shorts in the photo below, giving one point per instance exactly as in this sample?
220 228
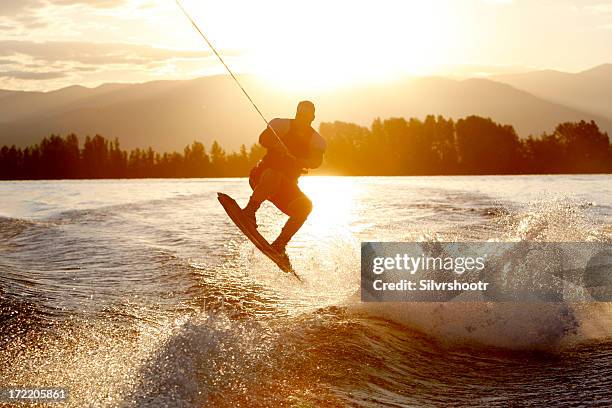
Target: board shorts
287 192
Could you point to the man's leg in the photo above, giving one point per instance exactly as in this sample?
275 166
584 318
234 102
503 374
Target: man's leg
299 209
268 184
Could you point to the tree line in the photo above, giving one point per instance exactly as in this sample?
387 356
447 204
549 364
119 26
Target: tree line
395 146
472 145
57 157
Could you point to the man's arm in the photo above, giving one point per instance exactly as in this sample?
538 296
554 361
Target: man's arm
270 141
267 139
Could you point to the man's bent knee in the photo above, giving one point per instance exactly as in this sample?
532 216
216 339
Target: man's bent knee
300 207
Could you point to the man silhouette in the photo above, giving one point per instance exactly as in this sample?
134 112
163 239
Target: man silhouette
292 147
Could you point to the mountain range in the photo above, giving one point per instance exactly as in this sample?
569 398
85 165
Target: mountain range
168 115
590 90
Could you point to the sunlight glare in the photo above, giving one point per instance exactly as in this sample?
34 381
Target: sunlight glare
333 204
324 45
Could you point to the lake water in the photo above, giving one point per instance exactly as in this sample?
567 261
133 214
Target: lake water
142 293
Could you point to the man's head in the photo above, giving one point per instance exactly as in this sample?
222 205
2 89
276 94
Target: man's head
305 113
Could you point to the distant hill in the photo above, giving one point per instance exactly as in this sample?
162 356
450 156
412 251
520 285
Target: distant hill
168 115
589 90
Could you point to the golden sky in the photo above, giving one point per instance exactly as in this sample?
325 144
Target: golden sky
47 44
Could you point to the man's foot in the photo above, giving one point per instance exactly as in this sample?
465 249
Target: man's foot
281 248
250 216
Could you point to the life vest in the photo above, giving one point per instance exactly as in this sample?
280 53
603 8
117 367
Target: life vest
301 146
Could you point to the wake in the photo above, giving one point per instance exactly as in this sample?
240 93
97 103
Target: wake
526 326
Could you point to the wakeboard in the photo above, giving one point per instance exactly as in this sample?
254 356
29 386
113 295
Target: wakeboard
235 213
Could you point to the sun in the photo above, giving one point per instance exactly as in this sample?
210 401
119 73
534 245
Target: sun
324 45
336 44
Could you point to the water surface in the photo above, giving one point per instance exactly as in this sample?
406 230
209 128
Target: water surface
142 293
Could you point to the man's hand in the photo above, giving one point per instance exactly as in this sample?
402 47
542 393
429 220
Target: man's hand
284 152
312 162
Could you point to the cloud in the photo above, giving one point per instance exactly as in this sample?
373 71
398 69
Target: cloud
31 75
85 69
30 21
89 53
13 8
87 61
601 8
92 3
